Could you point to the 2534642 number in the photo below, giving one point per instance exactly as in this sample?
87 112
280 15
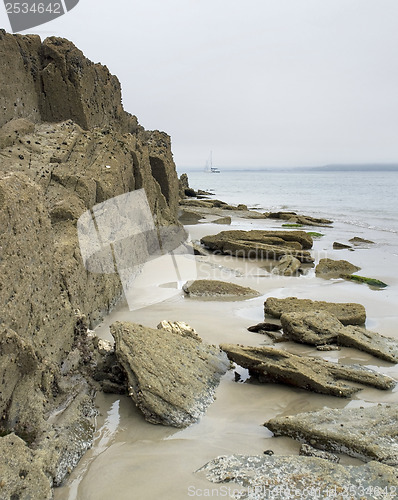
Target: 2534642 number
35 8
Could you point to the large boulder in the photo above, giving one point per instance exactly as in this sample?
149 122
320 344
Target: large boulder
367 433
347 313
268 364
295 477
329 268
171 378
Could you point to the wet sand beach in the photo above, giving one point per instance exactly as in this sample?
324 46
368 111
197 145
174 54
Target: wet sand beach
131 458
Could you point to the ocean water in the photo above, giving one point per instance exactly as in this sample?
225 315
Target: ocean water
367 199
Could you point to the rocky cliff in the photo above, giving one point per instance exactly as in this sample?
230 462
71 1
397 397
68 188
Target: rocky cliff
66 144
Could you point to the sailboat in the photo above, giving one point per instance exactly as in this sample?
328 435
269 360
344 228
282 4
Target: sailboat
209 165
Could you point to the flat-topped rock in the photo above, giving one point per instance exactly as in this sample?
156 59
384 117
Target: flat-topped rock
260 236
366 433
312 327
321 328
261 244
347 313
296 477
171 378
220 289
368 341
268 364
357 241
329 268
300 219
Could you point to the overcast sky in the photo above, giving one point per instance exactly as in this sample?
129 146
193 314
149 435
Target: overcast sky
258 82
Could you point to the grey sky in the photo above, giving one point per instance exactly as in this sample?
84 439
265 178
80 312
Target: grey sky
260 82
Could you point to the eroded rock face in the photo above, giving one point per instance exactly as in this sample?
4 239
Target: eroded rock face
215 288
347 313
171 378
366 433
66 144
268 364
21 471
295 477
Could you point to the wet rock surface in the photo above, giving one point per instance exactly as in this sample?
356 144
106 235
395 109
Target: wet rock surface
368 341
340 246
308 451
322 328
329 268
294 218
287 266
316 328
261 244
220 289
171 378
357 241
291 477
366 433
268 364
347 313
223 220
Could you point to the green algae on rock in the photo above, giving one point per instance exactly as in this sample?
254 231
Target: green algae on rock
362 279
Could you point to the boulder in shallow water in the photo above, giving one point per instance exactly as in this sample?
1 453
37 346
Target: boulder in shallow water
287 266
366 433
357 241
378 345
268 364
329 268
218 289
222 220
312 327
347 313
340 246
171 378
321 327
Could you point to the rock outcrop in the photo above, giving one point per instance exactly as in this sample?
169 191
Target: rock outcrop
329 268
321 327
290 477
287 266
171 377
268 364
366 433
305 220
218 289
257 244
347 313
66 144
